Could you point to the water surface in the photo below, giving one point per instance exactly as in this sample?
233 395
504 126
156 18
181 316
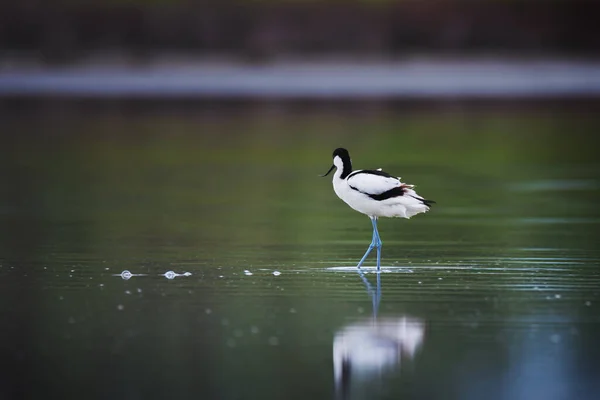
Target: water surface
493 294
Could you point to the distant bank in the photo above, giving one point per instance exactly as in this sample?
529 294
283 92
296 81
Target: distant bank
425 78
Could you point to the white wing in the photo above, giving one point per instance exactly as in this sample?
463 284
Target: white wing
370 183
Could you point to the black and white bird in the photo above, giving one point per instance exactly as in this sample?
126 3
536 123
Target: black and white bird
374 193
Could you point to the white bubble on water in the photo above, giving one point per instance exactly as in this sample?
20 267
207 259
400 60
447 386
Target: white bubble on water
120 307
170 275
248 273
276 273
173 274
126 275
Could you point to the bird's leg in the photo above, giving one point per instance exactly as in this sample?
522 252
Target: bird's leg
362 260
375 242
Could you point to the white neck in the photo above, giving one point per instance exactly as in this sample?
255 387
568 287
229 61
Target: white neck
339 167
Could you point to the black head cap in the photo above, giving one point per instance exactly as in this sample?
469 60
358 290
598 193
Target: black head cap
343 153
345 156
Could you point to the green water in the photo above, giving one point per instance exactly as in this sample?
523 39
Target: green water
493 294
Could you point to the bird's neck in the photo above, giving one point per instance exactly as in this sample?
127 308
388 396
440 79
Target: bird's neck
346 169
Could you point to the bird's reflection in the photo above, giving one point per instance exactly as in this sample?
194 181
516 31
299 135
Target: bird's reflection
364 350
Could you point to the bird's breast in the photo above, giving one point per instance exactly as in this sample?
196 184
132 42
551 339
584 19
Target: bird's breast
340 187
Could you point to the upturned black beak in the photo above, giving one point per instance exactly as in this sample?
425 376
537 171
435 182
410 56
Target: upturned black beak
330 169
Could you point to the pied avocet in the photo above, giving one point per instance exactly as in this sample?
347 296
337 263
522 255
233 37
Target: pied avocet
374 193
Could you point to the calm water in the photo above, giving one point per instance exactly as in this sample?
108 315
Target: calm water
493 294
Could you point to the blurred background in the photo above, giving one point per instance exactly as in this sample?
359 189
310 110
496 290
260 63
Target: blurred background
363 48
187 136
138 32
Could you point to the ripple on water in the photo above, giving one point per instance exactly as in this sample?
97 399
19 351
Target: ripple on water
352 268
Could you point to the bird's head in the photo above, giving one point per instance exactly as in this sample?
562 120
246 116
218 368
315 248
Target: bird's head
341 158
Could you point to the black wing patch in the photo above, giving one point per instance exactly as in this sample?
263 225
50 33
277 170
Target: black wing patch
394 192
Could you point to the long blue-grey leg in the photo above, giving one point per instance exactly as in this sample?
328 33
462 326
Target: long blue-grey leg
362 260
377 242
373 243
